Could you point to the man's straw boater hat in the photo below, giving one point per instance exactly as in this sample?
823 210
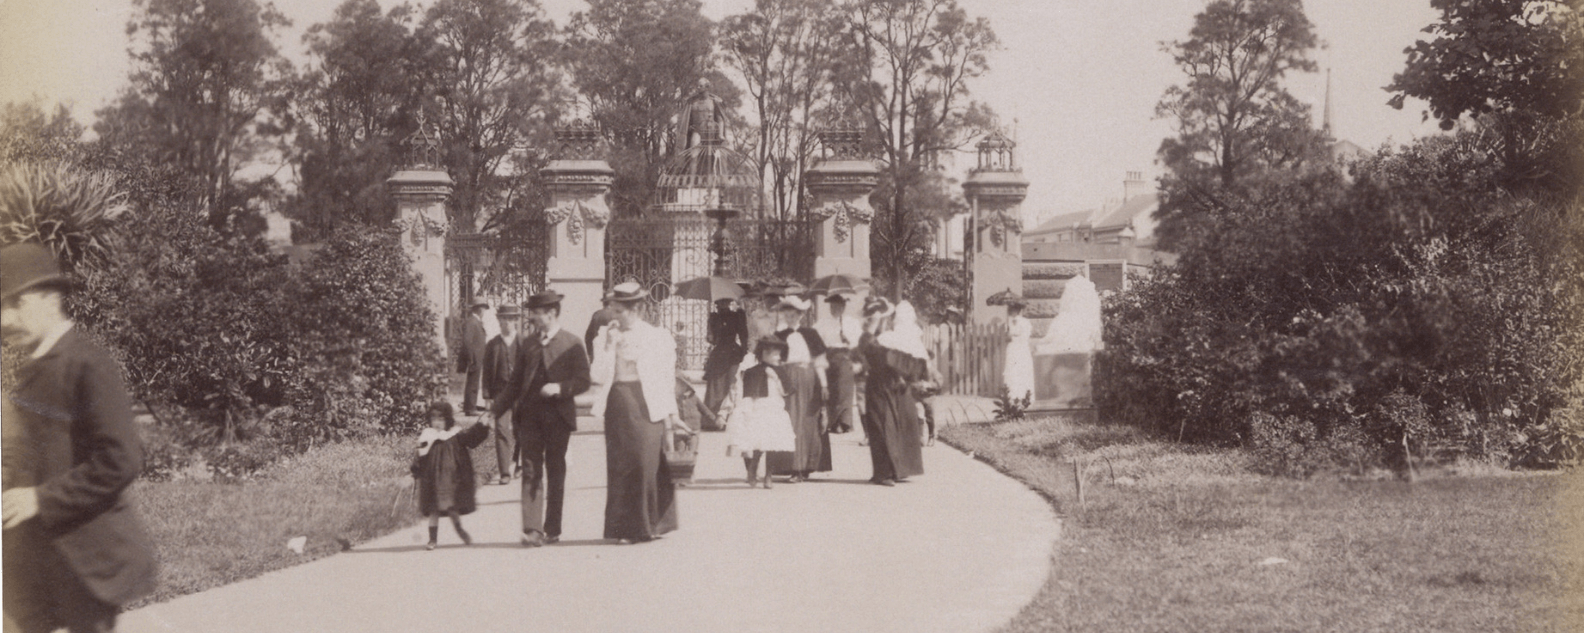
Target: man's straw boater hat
29 266
508 311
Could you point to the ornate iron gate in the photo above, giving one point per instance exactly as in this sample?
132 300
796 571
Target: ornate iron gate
505 268
658 253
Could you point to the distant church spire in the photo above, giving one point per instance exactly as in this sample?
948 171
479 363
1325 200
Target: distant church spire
1325 124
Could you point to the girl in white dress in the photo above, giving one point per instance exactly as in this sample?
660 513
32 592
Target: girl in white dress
759 422
1018 373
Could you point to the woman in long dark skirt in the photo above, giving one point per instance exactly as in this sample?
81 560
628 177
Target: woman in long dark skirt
728 339
804 369
890 416
634 363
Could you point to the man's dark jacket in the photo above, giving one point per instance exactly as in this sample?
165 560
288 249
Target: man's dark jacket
83 453
473 338
564 363
499 360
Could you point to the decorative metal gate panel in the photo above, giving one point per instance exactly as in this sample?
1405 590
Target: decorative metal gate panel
506 269
659 253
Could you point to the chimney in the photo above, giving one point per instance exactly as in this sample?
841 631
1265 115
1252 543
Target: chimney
1133 186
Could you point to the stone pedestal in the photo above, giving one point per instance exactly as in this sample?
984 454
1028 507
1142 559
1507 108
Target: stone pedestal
578 215
421 194
1061 381
995 198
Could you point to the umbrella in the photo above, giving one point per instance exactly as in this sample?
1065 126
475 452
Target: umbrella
709 289
1005 297
839 283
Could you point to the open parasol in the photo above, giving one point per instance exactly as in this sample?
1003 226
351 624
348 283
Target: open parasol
839 283
1005 298
709 289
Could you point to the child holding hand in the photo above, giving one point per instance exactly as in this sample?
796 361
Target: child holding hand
443 470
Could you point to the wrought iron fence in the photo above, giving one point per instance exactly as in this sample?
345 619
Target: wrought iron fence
659 253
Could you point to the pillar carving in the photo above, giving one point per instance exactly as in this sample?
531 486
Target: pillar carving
578 180
839 187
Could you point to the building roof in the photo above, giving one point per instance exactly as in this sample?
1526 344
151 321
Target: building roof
1109 217
1061 222
1123 214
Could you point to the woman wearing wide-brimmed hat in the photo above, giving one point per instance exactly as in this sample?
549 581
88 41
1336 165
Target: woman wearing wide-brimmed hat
635 368
893 356
804 369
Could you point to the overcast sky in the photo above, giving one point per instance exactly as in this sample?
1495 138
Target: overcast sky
1080 77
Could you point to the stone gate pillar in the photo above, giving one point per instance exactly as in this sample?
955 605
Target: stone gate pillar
840 187
578 179
421 190
995 191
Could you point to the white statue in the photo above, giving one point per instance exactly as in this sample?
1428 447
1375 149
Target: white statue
1076 328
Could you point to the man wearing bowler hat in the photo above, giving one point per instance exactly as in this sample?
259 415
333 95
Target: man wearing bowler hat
500 357
470 359
551 369
74 549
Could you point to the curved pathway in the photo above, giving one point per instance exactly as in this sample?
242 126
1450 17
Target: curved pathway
961 548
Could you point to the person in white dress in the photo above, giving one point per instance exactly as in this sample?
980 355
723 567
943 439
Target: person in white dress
759 421
1018 373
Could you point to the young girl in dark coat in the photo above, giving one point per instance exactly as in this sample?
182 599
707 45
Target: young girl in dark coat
443 470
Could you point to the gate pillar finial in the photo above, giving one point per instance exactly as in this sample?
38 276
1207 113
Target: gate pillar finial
578 180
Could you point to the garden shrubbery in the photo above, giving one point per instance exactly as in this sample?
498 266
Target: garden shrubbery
262 357
1417 308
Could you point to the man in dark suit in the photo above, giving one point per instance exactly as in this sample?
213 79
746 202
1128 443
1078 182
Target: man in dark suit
552 368
500 357
470 359
74 549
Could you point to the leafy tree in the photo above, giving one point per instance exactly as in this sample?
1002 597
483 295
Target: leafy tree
496 88
784 51
1235 120
204 71
352 108
638 64
28 134
908 64
1516 65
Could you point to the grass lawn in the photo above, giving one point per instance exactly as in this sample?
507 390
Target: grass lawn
1186 539
210 534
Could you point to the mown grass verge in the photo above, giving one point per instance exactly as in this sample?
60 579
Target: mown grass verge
209 534
1173 538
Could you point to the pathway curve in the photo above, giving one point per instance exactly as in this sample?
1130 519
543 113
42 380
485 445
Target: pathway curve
959 549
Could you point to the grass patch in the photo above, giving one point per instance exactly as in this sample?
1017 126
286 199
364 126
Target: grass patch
1173 538
209 534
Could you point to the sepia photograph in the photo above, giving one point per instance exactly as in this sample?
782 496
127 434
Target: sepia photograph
736 316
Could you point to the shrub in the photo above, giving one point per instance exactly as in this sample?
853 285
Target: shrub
1008 408
221 326
1321 320
198 318
363 339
